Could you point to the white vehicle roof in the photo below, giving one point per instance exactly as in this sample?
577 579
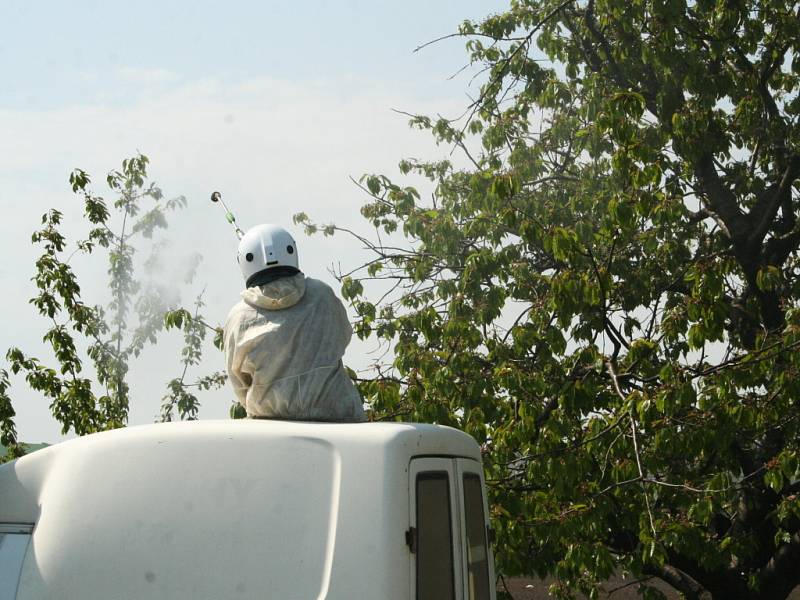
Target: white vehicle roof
221 509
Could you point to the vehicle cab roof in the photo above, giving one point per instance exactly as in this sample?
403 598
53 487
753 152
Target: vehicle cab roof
211 509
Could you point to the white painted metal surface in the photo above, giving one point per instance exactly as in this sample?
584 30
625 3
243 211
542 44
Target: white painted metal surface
222 509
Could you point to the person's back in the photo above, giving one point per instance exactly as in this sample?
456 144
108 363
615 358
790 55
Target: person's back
284 343
285 339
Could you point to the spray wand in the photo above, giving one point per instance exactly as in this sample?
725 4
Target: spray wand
217 197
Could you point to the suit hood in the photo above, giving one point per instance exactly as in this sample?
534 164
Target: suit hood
277 295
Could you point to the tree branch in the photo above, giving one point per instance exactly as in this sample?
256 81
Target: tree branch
722 201
781 575
771 200
682 582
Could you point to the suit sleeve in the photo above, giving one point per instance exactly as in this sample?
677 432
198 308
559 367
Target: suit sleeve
343 327
234 359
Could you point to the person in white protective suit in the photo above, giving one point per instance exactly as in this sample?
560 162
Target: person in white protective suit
285 339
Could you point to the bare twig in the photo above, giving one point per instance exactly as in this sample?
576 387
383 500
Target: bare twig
615 381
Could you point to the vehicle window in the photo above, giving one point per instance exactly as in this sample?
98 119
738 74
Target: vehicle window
477 553
13 545
434 537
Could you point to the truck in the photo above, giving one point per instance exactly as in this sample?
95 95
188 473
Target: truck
249 509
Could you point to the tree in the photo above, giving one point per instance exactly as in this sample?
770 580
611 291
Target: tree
86 401
180 395
607 297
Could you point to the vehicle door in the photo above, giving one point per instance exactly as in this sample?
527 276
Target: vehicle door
478 566
434 536
449 537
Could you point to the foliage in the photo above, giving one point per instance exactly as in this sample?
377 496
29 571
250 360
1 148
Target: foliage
179 393
9 446
607 297
110 337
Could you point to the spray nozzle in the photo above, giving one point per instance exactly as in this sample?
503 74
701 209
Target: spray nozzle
217 197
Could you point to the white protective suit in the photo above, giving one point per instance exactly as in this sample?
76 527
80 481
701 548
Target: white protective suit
284 344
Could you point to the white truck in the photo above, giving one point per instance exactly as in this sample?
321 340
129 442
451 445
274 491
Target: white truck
248 509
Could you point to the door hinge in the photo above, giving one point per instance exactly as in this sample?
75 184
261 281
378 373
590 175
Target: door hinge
411 539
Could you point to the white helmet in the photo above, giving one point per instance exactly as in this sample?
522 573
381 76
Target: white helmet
266 252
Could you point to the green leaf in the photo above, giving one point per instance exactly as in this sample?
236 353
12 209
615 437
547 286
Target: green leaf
774 479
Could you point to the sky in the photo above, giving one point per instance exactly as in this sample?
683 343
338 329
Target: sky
275 104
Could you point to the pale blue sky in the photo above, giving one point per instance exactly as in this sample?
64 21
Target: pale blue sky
276 104
57 53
